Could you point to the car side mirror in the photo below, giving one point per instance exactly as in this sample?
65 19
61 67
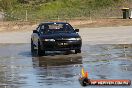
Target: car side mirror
76 30
35 31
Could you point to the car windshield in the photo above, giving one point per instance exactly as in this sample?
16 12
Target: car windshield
57 28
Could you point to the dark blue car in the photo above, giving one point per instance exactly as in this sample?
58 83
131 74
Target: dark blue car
55 36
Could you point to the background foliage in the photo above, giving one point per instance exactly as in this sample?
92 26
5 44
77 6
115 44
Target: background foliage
62 9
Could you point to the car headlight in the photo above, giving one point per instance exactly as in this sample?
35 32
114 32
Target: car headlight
78 38
74 39
49 40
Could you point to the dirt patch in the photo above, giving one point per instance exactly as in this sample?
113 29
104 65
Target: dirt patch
28 26
107 23
111 22
17 26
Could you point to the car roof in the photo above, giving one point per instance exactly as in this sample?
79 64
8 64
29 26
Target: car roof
53 23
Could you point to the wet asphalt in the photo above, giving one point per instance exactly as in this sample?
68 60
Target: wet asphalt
19 69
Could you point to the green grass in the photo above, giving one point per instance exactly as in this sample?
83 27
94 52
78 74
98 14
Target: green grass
53 9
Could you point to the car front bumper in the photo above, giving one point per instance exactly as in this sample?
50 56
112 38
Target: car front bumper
61 45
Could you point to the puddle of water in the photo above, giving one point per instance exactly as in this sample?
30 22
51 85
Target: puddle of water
109 61
18 69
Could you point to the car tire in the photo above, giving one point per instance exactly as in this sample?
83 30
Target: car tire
39 51
77 51
32 47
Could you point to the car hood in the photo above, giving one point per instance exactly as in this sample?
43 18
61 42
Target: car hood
60 35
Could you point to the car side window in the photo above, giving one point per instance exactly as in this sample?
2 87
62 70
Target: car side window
42 27
41 31
38 29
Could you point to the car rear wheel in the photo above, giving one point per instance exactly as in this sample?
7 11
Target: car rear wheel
77 51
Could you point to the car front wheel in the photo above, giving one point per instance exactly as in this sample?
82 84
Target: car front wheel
77 51
32 47
39 51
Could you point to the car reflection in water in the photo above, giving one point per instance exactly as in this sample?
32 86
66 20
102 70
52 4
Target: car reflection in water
57 69
50 61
